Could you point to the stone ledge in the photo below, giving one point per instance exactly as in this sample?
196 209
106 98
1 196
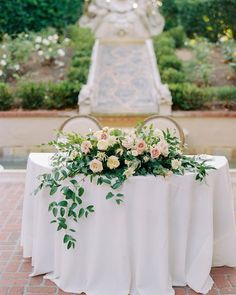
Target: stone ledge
73 112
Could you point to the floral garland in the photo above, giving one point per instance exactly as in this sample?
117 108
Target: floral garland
109 156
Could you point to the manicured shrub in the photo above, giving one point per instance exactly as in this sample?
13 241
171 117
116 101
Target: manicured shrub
226 93
31 95
171 76
169 61
61 95
187 96
6 97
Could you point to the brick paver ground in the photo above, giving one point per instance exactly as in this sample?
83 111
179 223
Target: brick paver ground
14 270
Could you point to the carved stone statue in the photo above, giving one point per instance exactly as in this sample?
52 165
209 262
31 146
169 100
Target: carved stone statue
123 18
124 77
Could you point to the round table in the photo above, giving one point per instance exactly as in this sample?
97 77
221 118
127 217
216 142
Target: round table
168 232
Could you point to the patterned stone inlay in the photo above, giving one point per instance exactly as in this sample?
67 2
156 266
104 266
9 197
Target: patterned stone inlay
124 82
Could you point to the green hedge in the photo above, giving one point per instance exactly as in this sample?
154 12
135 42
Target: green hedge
33 15
6 97
188 96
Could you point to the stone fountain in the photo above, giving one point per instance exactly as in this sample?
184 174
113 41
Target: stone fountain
124 77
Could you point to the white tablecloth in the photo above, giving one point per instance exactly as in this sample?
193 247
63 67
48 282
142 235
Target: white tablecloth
168 232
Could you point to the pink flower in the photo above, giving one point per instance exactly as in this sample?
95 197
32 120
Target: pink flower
104 136
155 152
86 146
96 166
141 146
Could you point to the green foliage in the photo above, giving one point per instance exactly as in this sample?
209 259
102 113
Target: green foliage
31 95
61 95
187 96
169 61
18 16
199 69
179 35
228 48
83 41
171 75
210 18
6 97
226 93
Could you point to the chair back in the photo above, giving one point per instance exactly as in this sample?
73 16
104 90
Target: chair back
80 124
164 123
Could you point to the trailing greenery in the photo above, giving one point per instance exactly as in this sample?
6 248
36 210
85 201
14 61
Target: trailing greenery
6 97
109 157
18 16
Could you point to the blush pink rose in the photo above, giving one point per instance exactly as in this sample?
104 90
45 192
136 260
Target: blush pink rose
155 153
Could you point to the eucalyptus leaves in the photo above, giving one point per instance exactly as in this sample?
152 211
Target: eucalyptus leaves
109 157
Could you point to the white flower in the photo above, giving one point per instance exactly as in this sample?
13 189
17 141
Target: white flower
4 56
46 42
17 67
175 164
134 153
55 37
102 145
66 40
86 146
113 162
128 142
37 46
1 73
158 133
3 63
163 146
40 53
50 38
112 140
50 50
61 52
129 172
38 39
73 155
96 166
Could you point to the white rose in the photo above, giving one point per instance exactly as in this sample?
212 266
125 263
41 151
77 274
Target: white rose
61 52
102 145
55 37
38 39
4 56
96 166
37 46
158 133
163 146
134 153
3 63
112 140
46 42
50 38
175 164
113 162
128 142
40 53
